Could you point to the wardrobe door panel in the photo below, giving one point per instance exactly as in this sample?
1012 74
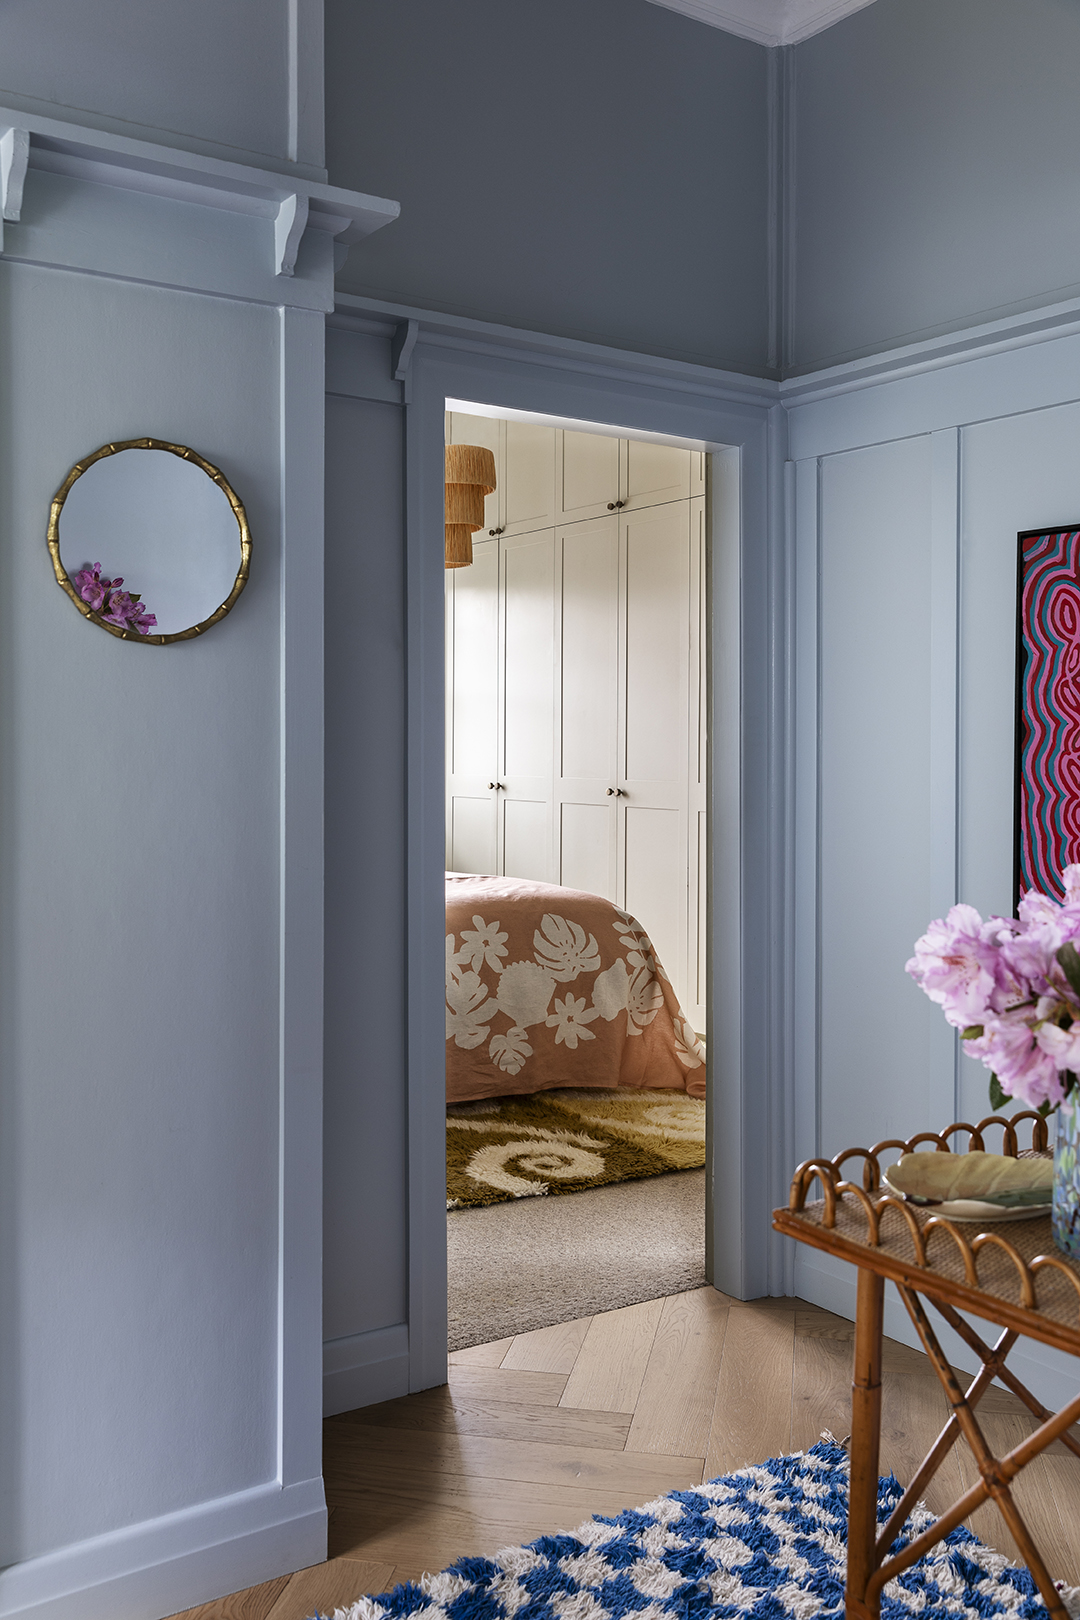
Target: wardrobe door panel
656 473
587 848
472 834
486 431
472 711
655 878
657 648
587 475
527 839
589 624
588 667
473 658
528 477
528 705
698 866
528 655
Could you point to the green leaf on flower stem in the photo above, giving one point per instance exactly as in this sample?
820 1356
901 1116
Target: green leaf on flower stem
1069 961
972 1032
998 1097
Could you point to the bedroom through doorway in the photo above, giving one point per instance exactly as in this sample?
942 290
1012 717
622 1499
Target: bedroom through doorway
576 876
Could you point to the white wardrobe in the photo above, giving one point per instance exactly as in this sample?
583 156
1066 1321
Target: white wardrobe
576 679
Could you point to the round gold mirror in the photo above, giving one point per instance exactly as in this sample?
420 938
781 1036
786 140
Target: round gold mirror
149 541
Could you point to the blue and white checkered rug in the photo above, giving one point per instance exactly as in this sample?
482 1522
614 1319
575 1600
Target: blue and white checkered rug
766 1543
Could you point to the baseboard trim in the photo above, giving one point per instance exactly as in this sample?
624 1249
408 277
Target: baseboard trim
826 1281
365 1368
173 1562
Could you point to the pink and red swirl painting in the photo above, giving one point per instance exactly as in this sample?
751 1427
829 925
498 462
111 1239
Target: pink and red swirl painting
1048 709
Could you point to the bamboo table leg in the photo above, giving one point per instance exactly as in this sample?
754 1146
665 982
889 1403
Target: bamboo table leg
865 1446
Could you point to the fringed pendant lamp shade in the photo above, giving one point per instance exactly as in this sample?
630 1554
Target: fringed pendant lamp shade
470 475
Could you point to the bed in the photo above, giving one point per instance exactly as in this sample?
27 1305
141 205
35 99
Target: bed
547 987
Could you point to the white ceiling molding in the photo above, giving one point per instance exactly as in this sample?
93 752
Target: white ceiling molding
769 22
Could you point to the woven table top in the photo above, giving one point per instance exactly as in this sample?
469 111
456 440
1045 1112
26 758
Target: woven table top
1008 1272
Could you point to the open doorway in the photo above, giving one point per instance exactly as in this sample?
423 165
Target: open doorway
576 837
385 1221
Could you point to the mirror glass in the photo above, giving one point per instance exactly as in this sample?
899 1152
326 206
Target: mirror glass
161 529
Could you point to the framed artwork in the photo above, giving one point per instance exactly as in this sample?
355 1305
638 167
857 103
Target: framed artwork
1047 818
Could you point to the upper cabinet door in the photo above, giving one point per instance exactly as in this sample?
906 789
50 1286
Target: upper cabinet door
472 705
528 477
587 480
655 473
485 431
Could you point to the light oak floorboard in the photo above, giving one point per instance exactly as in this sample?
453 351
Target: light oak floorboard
507 1384
431 1534
752 1411
445 1411
395 1454
614 1355
913 1413
481 1355
679 1388
559 1505
821 1377
550 1350
334 1585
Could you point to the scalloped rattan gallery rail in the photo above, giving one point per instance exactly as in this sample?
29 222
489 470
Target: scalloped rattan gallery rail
1010 1276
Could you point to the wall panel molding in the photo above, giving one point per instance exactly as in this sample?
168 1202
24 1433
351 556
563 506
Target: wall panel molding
996 421
944 724
108 232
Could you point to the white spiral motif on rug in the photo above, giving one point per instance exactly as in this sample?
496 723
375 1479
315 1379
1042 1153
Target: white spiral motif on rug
559 1161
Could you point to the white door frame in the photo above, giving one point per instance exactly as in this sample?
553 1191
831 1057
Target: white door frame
749 1154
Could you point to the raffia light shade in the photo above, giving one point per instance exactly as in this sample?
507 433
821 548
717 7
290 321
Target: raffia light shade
470 475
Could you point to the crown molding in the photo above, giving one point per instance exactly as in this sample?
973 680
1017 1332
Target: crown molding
769 22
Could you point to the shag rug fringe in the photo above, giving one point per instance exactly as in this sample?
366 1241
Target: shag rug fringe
765 1543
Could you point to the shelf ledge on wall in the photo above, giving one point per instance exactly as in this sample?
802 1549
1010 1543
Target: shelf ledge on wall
294 205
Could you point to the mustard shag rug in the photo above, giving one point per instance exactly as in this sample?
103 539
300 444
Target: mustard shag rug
566 1140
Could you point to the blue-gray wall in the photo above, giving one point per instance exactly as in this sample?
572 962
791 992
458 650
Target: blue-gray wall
241 80
592 168
936 175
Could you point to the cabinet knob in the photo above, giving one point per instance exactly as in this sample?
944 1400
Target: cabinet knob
499 786
496 531
615 793
615 506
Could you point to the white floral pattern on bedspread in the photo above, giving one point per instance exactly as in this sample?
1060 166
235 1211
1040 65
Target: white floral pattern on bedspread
548 986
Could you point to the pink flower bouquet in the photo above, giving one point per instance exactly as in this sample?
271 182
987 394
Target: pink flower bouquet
115 606
1012 988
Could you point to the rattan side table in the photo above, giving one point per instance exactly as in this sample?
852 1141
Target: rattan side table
1009 1273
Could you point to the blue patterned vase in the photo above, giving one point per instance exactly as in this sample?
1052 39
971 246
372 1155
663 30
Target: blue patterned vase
1066 1215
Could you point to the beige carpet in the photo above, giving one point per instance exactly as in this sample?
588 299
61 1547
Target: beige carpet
531 1263
566 1140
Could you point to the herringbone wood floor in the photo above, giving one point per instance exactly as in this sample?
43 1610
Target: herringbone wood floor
535 1433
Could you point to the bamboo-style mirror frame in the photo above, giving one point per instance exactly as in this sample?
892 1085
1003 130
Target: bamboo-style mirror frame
211 472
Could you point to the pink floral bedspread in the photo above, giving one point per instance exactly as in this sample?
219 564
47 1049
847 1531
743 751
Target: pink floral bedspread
552 987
